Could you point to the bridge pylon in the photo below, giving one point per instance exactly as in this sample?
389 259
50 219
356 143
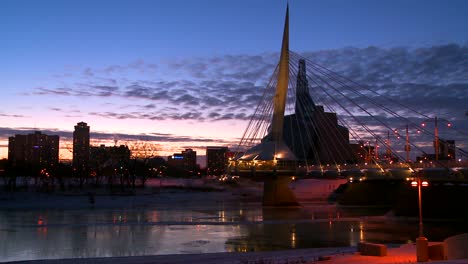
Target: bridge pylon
271 154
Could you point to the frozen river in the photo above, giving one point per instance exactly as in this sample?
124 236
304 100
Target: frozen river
193 222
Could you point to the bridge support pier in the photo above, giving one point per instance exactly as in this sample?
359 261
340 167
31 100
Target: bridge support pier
276 192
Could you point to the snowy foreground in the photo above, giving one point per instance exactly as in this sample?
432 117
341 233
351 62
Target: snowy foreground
165 192
403 254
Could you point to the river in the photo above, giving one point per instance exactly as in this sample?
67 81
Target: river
196 222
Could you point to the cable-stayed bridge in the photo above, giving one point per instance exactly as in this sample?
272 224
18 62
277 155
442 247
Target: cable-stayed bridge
313 120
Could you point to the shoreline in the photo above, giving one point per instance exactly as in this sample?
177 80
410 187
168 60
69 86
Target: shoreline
405 253
281 256
150 196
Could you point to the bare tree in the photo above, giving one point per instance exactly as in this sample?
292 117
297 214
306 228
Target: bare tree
142 153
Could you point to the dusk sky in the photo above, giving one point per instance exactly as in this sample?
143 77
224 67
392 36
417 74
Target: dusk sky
189 73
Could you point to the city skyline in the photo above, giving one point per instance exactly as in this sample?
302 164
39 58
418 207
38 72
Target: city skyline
151 77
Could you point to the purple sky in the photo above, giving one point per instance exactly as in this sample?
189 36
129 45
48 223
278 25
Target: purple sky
182 74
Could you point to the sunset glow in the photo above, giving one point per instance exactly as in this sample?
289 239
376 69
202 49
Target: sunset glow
136 73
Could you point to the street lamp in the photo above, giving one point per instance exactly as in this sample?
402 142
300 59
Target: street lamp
422 251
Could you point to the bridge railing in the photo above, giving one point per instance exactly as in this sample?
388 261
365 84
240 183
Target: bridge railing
258 165
390 171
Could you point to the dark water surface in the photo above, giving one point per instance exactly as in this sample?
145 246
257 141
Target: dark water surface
197 227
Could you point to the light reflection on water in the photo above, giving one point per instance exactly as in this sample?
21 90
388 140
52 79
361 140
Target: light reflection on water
43 234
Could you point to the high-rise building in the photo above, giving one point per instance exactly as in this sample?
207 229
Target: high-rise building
116 156
446 149
186 160
312 133
176 160
37 149
81 149
190 160
216 160
304 106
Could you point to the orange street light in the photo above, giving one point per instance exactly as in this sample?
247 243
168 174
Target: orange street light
422 250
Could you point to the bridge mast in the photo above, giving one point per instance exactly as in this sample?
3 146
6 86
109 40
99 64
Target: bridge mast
276 191
281 86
